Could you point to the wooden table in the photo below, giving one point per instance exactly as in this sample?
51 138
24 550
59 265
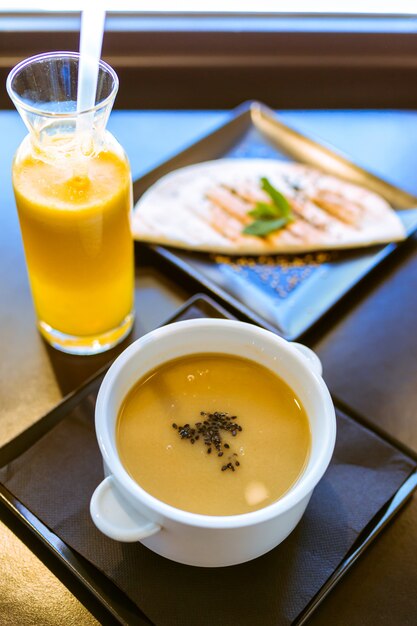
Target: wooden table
368 346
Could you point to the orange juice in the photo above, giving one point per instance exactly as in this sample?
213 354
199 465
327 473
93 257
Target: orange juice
75 222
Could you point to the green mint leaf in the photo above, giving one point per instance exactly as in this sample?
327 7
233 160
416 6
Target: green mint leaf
263 211
261 228
277 198
269 217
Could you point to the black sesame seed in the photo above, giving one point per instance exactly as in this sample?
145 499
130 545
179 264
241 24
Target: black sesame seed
210 431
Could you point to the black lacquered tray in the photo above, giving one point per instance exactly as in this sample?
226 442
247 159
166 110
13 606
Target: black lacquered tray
24 457
285 293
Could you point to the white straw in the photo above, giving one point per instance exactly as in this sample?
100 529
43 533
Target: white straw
91 39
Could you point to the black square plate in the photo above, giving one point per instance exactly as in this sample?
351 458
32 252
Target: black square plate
97 590
285 293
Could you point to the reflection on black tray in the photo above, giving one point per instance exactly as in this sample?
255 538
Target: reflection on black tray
54 478
284 292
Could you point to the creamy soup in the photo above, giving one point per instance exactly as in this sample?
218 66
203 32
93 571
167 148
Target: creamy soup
213 434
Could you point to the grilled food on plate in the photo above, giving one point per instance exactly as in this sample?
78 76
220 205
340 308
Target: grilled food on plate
261 206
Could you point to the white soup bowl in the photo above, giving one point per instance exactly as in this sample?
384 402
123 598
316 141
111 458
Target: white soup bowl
122 510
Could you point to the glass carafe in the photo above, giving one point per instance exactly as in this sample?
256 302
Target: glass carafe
73 193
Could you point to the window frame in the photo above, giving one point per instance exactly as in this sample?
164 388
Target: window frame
217 61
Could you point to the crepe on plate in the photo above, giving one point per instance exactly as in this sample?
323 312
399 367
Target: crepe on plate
206 207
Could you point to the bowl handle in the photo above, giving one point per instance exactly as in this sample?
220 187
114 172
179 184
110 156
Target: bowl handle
115 517
311 357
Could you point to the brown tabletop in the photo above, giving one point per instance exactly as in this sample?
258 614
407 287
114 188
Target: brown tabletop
367 344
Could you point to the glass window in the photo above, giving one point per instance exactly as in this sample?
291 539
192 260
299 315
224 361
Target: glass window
330 7
218 53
